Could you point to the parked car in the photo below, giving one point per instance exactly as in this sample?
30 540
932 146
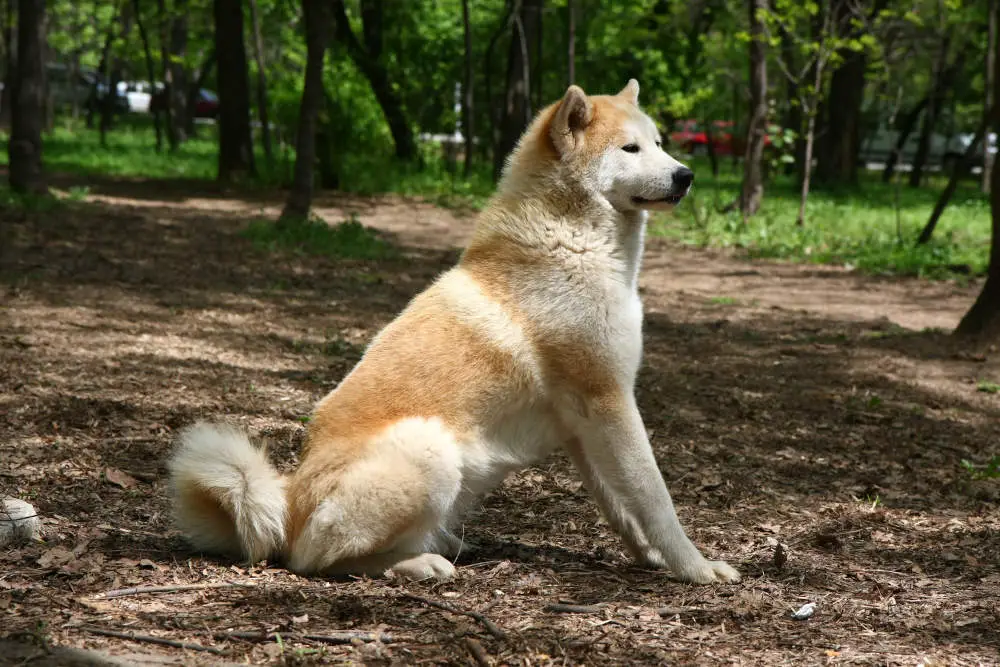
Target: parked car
690 136
878 145
206 104
960 143
139 94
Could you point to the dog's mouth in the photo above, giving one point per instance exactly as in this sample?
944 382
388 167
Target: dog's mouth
672 200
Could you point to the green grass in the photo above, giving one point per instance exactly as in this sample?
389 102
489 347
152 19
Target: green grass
989 470
988 387
860 228
345 240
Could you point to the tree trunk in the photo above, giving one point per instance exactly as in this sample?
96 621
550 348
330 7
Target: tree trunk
517 100
467 91
113 71
905 125
10 66
329 165
28 100
991 73
299 202
368 59
150 69
191 94
842 138
752 192
258 52
536 61
949 190
571 48
166 72
177 84
984 316
934 105
236 158
807 157
492 109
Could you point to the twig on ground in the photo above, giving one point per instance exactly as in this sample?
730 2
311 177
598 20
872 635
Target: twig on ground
562 608
674 611
479 654
142 590
339 637
131 636
487 623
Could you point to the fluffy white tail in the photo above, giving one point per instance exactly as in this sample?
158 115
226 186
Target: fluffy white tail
228 499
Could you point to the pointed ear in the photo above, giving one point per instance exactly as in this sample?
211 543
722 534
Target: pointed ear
571 118
631 92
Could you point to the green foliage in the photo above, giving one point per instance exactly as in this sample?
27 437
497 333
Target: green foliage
989 470
345 240
988 387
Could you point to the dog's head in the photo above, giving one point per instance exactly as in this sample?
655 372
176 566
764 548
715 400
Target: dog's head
614 149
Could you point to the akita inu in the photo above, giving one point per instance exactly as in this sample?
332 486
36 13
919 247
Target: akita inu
532 342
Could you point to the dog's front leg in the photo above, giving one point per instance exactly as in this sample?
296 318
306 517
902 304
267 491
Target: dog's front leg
613 454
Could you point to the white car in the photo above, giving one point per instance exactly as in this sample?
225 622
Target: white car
139 94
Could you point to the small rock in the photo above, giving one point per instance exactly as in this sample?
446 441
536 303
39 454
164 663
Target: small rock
804 612
19 522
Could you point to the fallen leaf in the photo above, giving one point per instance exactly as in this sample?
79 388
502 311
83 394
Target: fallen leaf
55 557
119 478
297 620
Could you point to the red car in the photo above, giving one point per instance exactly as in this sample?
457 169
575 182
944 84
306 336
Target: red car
206 104
689 136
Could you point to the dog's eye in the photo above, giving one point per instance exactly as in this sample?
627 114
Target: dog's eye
631 148
659 144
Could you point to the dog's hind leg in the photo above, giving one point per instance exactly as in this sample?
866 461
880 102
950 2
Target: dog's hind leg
384 511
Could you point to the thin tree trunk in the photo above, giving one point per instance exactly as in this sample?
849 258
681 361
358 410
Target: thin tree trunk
329 165
167 74
28 100
176 92
10 66
150 69
713 158
258 49
491 107
949 190
536 60
317 34
467 91
571 50
236 158
517 102
906 125
752 192
807 158
191 99
939 86
991 73
984 316
368 59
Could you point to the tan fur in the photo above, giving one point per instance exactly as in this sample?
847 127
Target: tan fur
531 343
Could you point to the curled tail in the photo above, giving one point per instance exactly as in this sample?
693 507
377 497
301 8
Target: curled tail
228 499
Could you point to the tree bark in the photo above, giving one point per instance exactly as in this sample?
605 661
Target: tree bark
934 105
517 100
368 59
842 139
905 125
28 100
150 69
571 38
492 109
467 91
112 69
299 202
991 74
177 83
10 63
191 94
167 74
236 158
329 165
752 192
949 190
258 52
984 316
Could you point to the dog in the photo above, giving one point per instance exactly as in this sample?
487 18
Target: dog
530 343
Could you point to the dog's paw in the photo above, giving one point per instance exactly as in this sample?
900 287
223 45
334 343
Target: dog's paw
424 566
709 572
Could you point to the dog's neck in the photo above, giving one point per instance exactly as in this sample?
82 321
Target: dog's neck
542 216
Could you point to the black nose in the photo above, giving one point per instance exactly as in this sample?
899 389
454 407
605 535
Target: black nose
683 178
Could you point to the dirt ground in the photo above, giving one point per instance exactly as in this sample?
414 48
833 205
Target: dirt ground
810 423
